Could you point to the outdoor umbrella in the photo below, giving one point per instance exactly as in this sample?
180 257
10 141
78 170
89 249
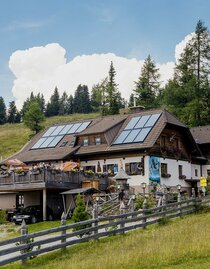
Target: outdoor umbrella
15 162
68 166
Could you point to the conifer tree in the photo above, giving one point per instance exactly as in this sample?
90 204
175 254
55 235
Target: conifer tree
34 117
3 115
147 87
53 106
81 102
13 114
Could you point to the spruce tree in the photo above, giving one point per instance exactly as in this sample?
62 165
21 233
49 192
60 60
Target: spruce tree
34 117
187 95
148 85
113 97
13 114
53 106
81 102
80 213
3 116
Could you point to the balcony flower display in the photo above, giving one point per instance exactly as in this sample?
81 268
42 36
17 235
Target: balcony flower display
165 175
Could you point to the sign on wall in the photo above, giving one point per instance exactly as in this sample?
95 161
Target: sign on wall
154 169
203 182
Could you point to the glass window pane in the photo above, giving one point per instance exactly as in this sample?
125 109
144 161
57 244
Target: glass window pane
83 126
132 123
152 120
55 141
142 121
49 131
142 135
121 137
39 142
47 142
132 136
74 128
66 129
57 130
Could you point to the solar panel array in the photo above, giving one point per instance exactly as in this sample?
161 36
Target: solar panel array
55 133
137 129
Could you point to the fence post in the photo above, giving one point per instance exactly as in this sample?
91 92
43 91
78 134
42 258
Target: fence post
179 205
144 213
63 232
24 231
95 217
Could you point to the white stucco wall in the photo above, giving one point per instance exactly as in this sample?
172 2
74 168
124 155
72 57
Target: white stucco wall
188 170
7 201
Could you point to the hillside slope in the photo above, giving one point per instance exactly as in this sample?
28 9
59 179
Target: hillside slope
14 136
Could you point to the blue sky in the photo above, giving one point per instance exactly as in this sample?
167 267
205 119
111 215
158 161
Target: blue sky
126 28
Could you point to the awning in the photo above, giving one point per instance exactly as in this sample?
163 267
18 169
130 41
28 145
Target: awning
81 190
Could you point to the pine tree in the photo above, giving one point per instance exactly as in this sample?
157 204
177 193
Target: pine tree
148 85
112 95
81 102
70 105
13 114
63 104
3 116
34 117
187 95
98 94
80 213
53 106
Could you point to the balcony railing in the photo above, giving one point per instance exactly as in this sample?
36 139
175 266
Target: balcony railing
50 178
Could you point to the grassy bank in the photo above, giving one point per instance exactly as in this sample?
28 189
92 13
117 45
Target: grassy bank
181 244
15 136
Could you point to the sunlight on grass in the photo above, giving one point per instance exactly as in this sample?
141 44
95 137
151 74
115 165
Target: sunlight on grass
183 243
15 136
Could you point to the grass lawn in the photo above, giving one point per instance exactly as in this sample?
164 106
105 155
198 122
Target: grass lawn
15 136
181 244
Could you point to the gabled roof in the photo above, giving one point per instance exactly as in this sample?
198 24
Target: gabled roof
111 127
104 124
201 134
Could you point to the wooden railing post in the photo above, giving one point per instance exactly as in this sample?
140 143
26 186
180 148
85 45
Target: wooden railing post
24 231
179 205
63 232
95 217
144 213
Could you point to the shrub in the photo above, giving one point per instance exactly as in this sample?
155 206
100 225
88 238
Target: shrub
164 220
3 216
80 213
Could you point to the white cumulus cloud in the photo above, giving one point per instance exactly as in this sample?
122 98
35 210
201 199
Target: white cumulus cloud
41 69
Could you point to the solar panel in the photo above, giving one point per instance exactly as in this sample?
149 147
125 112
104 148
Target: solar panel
66 129
137 129
49 131
55 141
83 126
142 134
74 128
39 142
57 130
132 123
55 133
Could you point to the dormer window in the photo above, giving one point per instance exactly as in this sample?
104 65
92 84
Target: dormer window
85 142
97 140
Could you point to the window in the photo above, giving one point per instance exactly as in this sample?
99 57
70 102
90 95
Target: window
110 168
134 168
64 144
97 140
90 167
196 172
180 170
164 168
85 142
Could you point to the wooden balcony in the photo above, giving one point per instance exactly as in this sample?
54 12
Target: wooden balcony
46 179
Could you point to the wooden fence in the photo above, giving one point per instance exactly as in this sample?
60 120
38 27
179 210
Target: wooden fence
31 245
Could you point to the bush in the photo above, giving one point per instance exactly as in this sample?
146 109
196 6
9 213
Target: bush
80 213
140 200
200 209
3 216
164 220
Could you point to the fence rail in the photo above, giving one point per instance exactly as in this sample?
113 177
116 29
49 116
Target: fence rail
30 245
